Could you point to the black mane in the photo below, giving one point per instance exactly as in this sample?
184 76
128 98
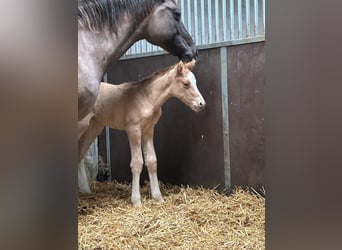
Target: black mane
94 15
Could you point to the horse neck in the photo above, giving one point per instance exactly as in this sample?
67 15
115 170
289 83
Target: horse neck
106 46
159 90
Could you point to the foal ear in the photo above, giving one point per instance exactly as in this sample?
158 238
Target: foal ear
191 64
180 68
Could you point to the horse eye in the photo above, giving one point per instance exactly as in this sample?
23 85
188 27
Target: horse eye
177 15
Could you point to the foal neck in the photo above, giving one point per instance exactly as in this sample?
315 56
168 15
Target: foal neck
158 90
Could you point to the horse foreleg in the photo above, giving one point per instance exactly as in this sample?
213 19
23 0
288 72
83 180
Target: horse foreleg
134 136
151 164
83 183
83 125
84 142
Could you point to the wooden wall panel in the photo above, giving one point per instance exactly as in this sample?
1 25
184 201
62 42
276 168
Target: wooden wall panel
246 82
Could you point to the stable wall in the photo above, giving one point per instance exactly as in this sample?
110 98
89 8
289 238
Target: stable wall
222 145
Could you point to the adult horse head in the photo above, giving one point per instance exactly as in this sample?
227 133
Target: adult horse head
166 29
108 28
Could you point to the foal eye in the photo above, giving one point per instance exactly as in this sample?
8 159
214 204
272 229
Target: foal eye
186 85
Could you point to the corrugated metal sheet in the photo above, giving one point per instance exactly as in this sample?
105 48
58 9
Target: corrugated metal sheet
216 21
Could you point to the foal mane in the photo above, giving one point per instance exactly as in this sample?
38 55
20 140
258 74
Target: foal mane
95 15
153 76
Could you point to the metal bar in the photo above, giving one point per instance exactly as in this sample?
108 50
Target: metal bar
182 10
225 117
217 22
210 23
138 47
239 19
248 17
232 23
256 17
189 16
224 19
196 34
263 13
202 23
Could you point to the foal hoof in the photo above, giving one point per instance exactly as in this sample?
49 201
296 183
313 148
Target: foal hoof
136 203
158 198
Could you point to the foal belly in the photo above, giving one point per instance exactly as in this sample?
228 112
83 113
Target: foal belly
114 120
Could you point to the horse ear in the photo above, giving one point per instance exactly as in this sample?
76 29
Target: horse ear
191 64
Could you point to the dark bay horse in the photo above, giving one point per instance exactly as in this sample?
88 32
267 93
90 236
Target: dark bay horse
136 108
108 28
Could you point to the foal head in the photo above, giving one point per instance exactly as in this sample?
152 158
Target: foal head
166 30
184 86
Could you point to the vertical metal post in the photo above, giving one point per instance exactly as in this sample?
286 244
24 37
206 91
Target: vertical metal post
225 117
108 144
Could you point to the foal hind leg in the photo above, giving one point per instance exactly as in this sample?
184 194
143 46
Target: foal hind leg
151 164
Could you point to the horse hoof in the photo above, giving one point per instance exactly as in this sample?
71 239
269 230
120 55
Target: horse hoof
85 190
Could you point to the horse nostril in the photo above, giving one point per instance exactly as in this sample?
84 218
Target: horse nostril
188 57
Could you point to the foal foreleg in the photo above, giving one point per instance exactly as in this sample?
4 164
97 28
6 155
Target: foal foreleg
151 164
134 136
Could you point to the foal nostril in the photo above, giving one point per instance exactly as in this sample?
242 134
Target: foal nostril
202 104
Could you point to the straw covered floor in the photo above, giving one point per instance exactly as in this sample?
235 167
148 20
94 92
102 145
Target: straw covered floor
190 218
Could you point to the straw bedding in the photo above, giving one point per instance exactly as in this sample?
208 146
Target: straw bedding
190 218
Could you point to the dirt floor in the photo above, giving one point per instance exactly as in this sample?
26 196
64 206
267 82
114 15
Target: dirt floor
190 218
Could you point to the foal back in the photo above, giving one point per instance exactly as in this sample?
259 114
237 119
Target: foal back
120 106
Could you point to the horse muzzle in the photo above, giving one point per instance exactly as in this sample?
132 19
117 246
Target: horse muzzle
190 53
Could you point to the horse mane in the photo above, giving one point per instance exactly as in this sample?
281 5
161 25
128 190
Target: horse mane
95 15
